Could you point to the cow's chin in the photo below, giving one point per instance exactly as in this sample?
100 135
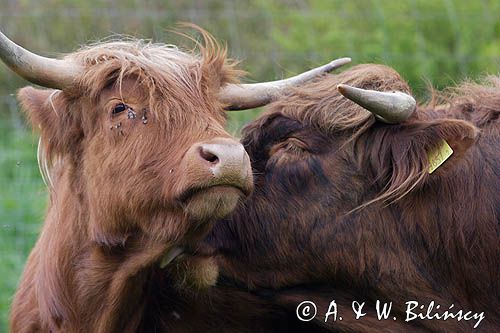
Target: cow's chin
212 203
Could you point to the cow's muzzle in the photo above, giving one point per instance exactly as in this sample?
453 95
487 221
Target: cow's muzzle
216 174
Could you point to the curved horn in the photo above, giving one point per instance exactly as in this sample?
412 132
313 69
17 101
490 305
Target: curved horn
46 72
390 107
248 96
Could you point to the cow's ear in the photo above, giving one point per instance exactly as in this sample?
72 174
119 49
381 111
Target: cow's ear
47 111
406 156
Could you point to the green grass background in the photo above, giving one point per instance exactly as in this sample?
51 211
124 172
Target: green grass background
440 42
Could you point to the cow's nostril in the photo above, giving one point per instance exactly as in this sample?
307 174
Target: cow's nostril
208 156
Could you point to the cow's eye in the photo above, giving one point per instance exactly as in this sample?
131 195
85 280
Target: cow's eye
290 145
119 108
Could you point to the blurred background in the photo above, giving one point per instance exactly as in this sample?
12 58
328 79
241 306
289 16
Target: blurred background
430 42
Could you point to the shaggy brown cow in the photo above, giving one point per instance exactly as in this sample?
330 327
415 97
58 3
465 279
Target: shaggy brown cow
344 208
139 165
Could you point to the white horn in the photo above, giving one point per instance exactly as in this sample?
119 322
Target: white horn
248 96
46 72
390 107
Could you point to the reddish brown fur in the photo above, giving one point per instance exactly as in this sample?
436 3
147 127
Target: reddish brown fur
345 209
114 203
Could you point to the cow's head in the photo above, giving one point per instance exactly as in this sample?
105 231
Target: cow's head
134 131
331 180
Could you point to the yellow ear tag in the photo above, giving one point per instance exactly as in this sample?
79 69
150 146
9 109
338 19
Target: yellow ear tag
439 155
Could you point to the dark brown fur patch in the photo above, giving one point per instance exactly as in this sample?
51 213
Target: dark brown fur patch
344 208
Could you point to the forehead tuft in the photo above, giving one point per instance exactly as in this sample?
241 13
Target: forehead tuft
165 65
161 67
142 54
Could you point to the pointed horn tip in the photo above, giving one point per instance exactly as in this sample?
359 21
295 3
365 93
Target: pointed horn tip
342 61
395 106
342 88
336 64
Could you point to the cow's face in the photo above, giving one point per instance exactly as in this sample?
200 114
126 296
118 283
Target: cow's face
326 174
144 151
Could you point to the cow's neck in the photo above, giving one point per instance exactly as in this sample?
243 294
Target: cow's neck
85 284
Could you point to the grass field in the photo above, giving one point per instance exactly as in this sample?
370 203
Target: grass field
22 207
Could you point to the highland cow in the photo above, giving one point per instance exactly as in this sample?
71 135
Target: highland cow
349 206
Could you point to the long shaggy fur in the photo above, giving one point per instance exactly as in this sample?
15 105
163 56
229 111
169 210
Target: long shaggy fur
114 209
344 208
